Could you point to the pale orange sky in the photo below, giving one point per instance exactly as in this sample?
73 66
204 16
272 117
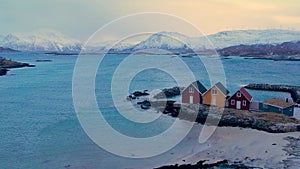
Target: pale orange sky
81 18
217 15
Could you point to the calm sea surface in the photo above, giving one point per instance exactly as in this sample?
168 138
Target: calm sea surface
39 127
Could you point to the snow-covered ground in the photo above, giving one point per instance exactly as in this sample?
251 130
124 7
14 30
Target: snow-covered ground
246 146
49 40
175 40
40 40
297 113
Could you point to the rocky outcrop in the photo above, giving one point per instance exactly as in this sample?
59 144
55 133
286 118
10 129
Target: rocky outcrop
9 64
293 90
201 164
137 94
284 51
3 71
169 92
265 121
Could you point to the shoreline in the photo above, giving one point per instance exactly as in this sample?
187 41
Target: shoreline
239 147
264 121
6 65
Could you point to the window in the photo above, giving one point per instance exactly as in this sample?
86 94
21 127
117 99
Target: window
265 106
238 94
244 103
191 90
214 91
232 102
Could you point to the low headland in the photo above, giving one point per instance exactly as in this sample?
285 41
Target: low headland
244 139
265 121
278 52
5 65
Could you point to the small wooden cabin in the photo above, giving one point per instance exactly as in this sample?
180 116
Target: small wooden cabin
278 106
216 95
240 100
193 94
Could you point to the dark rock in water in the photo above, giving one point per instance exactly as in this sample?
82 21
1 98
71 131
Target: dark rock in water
139 93
67 166
136 94
44 60
145 104
169 92
3 71
61 53
218 165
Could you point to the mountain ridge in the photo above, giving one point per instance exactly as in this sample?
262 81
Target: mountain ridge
174 41
40 41
53 41
283 51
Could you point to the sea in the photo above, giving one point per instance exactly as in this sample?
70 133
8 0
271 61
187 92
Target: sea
39 127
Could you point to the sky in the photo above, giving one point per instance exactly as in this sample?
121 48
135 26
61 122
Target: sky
81 18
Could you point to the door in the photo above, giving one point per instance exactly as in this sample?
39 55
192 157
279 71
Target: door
214 102
238 105
191 99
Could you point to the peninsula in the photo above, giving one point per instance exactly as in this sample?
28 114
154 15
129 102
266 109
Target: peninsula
5 65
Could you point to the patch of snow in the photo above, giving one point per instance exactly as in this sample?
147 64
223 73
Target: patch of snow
297 112
42 40
174 40
246 146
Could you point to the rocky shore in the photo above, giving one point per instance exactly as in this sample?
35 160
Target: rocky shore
5 65
293 90
220 165
265 121
169 92
245 149
285 51
3 71
293 150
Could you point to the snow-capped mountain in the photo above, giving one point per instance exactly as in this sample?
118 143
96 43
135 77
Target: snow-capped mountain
177 42
108 46
164 40
249 37
41 41
168 41
52 41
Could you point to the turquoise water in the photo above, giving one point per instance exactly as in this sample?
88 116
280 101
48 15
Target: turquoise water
39 127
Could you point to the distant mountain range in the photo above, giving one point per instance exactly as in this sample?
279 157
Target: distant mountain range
40 41
7 50
176 42
52 41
